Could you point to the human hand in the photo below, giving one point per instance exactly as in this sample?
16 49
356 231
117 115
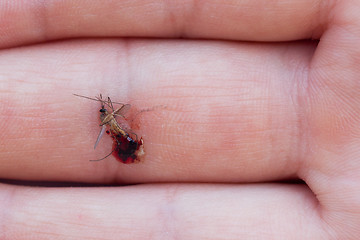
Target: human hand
246 106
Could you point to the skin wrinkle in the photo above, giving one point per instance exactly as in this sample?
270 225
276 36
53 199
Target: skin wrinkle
299 133
322 15
301 112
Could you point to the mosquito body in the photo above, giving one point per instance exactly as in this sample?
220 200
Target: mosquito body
108 119
124 145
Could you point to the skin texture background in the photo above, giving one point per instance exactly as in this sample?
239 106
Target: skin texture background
252 93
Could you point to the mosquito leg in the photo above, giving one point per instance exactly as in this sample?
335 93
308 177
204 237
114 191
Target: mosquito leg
94 99
103 157
110 104
118 143
99 99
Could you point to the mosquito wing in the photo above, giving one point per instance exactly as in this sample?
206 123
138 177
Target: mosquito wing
102 131
122 110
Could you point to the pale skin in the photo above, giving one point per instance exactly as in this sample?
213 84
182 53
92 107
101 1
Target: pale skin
246 109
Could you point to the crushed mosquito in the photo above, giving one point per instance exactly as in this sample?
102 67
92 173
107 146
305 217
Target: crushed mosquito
127 147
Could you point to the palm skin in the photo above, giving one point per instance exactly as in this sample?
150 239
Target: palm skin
249 102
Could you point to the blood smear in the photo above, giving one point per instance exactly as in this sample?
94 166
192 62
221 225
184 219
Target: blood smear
126 149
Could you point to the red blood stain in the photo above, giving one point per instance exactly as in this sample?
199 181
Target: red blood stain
126 149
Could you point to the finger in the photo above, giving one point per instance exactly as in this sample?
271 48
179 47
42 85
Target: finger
331 167
37 21
227 116
162 212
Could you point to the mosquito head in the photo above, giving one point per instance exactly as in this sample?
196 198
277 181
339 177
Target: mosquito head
103 113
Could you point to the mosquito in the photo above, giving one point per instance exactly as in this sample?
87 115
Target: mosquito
108 119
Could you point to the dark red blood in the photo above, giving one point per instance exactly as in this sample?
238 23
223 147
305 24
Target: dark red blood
125 148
